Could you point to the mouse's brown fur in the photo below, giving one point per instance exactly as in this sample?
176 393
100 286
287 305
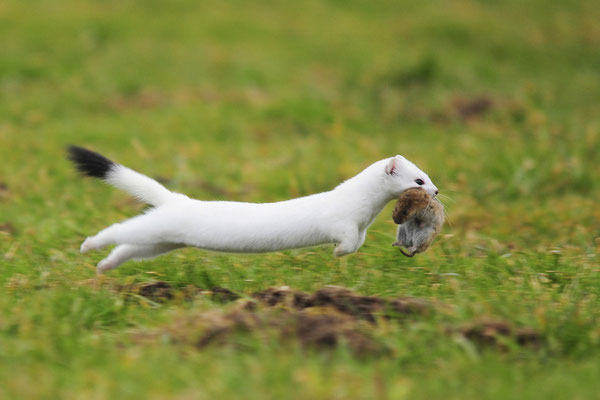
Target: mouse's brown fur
420 218
409 203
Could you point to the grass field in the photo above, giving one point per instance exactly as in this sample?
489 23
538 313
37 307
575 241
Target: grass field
267 100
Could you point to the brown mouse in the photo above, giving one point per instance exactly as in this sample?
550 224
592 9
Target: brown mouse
420 218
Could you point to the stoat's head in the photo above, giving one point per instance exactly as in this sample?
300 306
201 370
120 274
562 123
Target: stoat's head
403 174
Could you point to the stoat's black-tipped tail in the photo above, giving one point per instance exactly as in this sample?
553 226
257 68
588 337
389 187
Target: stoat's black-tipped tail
90 163
138 185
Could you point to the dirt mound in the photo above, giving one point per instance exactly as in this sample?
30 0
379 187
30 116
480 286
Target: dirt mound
160 291
495 333
327 318
468 108
314 329
156 291
223 295
344 301
329 329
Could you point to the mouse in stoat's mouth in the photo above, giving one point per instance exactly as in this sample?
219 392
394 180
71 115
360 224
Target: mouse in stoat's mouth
420 217
340 216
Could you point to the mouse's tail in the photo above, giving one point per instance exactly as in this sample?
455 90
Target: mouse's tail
138 185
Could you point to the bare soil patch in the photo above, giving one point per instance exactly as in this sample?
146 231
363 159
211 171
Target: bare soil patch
344 301
494 333
325 319
472 107
7 228
160 292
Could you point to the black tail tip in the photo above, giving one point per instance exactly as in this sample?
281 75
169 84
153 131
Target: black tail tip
88 162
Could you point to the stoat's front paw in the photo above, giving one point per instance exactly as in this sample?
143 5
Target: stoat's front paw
340 251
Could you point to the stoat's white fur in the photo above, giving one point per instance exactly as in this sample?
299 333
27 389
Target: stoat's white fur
340 216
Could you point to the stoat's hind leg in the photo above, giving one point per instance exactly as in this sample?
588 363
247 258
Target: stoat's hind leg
143 229
101 239
125 252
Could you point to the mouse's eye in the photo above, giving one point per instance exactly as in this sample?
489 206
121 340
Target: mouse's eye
419 182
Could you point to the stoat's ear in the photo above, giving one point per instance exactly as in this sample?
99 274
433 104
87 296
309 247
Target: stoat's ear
392 166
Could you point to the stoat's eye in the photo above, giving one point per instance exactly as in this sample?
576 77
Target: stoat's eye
419 182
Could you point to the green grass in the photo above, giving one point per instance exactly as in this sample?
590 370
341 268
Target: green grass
263 101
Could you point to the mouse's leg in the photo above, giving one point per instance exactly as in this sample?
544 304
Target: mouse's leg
349 242
409 254
125 252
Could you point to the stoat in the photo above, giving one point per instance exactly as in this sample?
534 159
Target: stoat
340 216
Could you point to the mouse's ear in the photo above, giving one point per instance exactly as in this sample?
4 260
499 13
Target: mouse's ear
392 166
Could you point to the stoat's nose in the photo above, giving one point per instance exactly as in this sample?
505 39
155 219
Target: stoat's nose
437 192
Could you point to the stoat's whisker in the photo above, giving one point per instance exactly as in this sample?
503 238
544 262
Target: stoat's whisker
443 196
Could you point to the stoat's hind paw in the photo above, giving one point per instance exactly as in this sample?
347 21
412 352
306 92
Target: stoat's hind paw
105 265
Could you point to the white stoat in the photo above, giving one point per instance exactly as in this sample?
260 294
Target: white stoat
339 216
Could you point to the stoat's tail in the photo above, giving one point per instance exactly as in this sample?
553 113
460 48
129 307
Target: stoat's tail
140 186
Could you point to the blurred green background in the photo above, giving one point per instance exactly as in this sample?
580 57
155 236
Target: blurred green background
498 101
